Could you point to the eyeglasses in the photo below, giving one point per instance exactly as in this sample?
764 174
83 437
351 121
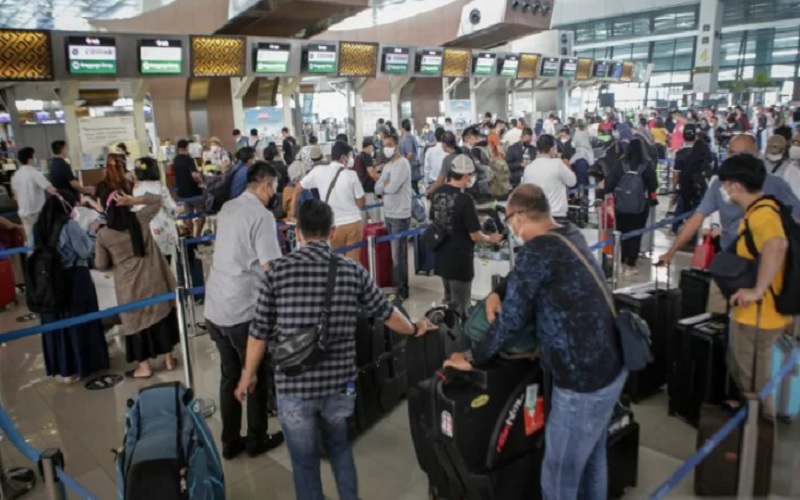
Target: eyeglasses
511 215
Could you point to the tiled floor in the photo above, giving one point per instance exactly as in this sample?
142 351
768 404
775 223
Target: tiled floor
88 425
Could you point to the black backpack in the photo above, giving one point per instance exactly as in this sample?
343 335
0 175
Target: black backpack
218 190
47 289
788 301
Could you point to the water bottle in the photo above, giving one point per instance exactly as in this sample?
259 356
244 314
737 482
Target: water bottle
526 157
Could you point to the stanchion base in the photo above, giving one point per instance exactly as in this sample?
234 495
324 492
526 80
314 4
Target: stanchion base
16 483
207 407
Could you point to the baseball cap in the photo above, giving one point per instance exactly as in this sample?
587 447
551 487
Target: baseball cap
463 165
690 132
315 152
776 145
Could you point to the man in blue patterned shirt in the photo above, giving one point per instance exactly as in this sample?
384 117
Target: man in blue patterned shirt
577 339
291 298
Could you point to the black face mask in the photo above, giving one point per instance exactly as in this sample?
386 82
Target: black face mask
273 202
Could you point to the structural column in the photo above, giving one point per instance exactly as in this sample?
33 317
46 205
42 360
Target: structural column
707 53
239 88
396 85
70 91
288 87
358 91
139 89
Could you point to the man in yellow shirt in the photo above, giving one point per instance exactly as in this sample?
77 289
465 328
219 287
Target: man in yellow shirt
742 178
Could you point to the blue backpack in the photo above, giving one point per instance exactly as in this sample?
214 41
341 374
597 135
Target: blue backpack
168 451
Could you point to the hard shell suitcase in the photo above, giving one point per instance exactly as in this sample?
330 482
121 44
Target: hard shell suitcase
787 394
695 285
622 451
383 255
425 355
423 258
8 289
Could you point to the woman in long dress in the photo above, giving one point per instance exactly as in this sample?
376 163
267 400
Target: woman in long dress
126 247
75 352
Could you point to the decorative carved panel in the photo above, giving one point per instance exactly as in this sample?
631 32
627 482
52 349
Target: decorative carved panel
358 59
25 56
218 56
456 62
529 66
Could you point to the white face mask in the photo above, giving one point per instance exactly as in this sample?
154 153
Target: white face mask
725 196
388 152
794 152
774 158
471 182
351 162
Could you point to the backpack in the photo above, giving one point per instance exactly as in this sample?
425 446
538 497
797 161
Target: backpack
47 288
218 190
500 180
168 450
629 195
788 301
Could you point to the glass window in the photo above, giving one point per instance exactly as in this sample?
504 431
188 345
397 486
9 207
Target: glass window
782 71
727 75
664 49
683 63
685 20
640 51
664 23
623 28
641 26
621 52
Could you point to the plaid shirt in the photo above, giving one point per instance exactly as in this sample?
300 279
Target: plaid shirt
291 298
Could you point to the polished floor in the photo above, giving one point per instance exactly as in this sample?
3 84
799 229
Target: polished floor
88 425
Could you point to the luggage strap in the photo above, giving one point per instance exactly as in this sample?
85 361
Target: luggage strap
179 442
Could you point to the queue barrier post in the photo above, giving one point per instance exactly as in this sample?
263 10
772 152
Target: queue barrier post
8 491
747 459
187 282
371 256
207 406
617 264
48 461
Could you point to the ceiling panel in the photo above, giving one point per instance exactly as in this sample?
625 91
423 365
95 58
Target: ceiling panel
69 14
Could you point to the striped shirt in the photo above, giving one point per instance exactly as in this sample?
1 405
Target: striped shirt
291 297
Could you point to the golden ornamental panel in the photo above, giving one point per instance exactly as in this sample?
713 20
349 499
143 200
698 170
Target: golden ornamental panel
529 66
358 59
25 56
585 66
456 62
218 56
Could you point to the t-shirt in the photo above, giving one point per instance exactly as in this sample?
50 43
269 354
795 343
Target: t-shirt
765 224
408 146
29 187
554 178
61 174
456 212
659 135
344 194
184 166
363 162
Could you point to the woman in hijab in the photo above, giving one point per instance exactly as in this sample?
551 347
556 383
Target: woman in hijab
78 351
126 247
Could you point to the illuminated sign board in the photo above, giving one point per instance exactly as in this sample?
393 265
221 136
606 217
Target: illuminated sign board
616 71
569 67
429 62
91 55
395 60
272 57
508 66
601 69
550 67
320 58
160 57
483 63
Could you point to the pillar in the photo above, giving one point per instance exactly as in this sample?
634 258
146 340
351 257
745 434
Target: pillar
70 90
239 88
139 89
396 85
707 47
288 87
358 120
18 131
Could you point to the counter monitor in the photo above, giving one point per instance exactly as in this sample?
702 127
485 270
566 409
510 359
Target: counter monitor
91 55
569 67
550 67
616 71
160 57
601 69
508 66
429 62
483 63
395 60
272 58
320 58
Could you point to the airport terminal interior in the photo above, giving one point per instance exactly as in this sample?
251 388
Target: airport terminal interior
133 133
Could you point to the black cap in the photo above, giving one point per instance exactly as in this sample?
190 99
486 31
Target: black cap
690 132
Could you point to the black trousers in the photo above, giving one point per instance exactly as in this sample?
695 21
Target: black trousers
631 246
232 345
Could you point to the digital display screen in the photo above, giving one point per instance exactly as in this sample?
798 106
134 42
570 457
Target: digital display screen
320 58
508 66
483 63
585 67
271 57
569 67
616 71
550 67
429 62
395 60
91 55
160 57
601 69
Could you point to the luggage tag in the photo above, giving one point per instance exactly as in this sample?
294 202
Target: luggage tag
534 410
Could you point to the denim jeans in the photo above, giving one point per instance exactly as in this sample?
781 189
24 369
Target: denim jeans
399 251
302 420
575 456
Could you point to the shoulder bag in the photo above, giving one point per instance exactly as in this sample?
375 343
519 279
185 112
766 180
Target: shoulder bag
303 351
633 331
333 184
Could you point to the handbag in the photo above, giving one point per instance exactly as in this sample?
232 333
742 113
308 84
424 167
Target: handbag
303 351
634 332
434 236
732 272
704 253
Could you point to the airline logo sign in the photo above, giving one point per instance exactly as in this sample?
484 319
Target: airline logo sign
396 60
273 58
160 57
91 55
321 58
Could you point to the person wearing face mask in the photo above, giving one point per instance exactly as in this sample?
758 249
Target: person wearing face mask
451 151
520 155
551 173
245 157
564 145
247 243
715 200
557 283
775 159
339 187
455 210
791 173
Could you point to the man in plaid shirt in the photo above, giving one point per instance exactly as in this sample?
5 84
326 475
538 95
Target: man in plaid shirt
291 298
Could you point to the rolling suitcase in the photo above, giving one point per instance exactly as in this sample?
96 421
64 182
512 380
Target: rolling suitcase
425 355
622 451
8 289
423 258
787 394
383 255
695 285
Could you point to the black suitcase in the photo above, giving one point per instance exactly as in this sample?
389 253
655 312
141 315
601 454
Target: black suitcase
660 307
423 258
695 285
425 355
678 365
622 451
708 377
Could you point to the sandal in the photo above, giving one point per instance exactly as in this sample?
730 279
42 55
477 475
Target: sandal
103 382
131 374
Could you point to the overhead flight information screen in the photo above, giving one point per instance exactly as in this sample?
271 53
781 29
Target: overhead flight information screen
91 55
508 66
271 57
569 67
160 57
550 67
320 58
395 60
483 63
429 62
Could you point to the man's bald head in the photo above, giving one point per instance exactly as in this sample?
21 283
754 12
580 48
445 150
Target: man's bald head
743 144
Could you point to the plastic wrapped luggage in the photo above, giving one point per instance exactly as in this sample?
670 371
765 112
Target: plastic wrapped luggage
660 306
383 255
787 394
695 285
423 258
622 451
